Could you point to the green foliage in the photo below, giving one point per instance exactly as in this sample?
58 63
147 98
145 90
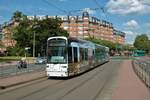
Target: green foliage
24 32
1 45
17 16
47 28
15 51
128 47
142 42
109 44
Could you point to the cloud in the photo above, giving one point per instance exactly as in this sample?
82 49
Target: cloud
132 24
89 11
129 33
130 36
125 7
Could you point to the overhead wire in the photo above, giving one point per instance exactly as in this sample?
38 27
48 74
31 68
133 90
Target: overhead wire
58 8
73 11
101 8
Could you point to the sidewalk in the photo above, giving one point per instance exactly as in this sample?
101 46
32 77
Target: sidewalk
130 87
20 79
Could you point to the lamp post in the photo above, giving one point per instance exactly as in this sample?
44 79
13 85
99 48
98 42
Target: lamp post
26 51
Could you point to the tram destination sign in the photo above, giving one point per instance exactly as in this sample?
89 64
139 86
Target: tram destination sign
57 43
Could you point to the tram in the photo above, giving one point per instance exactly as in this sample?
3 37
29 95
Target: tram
70 56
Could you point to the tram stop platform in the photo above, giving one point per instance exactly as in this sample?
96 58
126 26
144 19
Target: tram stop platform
129 86
20 79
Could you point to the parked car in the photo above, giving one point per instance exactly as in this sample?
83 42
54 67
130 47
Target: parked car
40 60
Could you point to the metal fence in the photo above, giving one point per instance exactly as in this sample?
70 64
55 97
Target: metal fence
142 69
10 69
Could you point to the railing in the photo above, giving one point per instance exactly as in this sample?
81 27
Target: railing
142 69
11 69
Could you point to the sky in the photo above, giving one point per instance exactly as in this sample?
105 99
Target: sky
129 16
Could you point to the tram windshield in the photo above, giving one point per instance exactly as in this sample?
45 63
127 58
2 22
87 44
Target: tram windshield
56 51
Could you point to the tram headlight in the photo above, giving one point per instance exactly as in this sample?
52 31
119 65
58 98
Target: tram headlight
47 66
64 66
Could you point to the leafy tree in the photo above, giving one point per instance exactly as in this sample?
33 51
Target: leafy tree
17 16
15 51
142 42
109 44
128 47
1 45
24 32
47 28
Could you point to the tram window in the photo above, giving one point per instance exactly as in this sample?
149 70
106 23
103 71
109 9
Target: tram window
81 54
86 54
70 54
75 54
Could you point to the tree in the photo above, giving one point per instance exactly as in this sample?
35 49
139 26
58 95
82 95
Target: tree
17 16
109 44
47 28
1 44
128 47
142 42
24 32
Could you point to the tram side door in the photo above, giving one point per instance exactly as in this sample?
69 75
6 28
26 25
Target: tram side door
73 58
76 59
75 54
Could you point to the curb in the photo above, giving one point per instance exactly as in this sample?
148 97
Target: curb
22 82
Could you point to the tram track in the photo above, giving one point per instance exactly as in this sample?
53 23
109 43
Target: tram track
106 83
81 84
67 83
73 88
37 83
95 80
40 90
101 89
93 77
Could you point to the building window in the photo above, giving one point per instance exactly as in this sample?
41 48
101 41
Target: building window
80 18
80 28
65 18
80 32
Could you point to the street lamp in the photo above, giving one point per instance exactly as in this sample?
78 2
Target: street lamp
26 51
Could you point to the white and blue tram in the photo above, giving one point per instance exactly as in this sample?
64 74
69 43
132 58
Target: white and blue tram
71 56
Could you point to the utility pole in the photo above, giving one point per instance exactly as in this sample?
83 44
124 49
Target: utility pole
34 44
34 27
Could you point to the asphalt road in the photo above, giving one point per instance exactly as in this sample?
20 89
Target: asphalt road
97 84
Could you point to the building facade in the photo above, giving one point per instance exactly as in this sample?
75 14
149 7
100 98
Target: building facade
7 37
119 37
86 26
